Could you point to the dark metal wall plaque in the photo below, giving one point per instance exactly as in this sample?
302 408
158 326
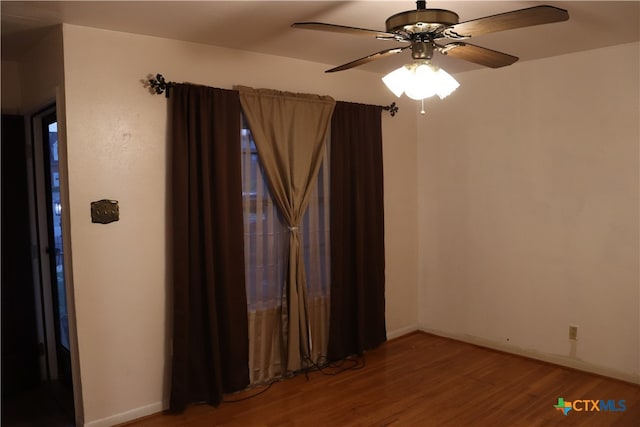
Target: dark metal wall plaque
105 211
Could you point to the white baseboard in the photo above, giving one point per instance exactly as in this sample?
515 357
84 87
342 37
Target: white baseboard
402 331
131 415
544 357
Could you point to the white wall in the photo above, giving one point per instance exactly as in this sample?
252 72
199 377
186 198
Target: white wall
41 72
11 91
529 210
33 81
117 149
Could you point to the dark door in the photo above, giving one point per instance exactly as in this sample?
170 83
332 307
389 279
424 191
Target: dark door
20 350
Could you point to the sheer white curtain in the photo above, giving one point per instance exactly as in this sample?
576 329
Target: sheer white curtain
266 245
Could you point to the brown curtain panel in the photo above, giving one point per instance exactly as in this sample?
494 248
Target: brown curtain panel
289 130
357 319
210 332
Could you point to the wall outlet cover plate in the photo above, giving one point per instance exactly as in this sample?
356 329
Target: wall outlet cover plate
105 211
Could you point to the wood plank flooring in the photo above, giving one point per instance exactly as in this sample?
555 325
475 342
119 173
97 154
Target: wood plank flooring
423 380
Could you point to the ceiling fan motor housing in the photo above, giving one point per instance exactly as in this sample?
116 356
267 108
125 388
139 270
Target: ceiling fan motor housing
422 50
421 21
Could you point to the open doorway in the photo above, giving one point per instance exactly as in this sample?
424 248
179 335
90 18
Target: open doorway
37 386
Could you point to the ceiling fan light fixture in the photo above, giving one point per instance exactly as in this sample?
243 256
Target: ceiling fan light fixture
420 80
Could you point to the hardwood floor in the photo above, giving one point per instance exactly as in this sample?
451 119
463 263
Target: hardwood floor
424 380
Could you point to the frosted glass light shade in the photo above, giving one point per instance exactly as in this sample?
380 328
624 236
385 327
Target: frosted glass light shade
396 80
446 84
420 80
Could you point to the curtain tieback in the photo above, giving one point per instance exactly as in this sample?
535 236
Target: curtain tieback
292 229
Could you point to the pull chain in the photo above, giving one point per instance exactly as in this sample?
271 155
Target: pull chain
422 111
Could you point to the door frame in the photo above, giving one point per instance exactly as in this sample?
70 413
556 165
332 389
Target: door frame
40 242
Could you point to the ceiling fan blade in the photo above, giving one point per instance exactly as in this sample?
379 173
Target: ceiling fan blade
478 55
507 21
369 58
343 29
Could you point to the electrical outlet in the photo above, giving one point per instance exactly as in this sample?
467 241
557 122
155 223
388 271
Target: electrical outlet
573 332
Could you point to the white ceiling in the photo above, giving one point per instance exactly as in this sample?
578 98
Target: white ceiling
264 26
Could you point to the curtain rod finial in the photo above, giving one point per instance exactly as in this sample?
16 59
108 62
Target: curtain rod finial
392 109
160 85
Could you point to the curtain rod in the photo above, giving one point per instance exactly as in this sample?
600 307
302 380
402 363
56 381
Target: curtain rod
159 85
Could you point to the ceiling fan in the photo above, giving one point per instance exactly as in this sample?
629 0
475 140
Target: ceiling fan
424 29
